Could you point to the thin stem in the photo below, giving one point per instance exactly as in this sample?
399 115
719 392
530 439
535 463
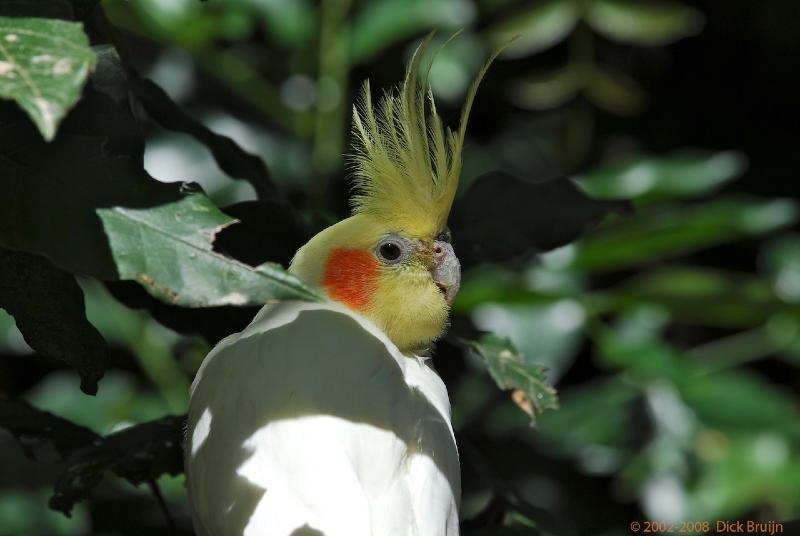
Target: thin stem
156 491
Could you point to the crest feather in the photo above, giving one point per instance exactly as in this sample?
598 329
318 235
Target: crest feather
406 165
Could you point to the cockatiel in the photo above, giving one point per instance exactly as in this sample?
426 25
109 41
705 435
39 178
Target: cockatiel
322 418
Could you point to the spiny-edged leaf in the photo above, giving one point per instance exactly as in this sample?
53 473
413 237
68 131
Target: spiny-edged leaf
680 174
538 26
511 370
94 200
168 249
231 158
138 454
44 64
668 231
33 428
643 23
48 307
501 217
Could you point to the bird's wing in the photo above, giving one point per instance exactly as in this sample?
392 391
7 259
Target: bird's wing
311 422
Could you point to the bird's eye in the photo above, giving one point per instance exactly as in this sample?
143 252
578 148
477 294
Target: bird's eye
390 251
445 236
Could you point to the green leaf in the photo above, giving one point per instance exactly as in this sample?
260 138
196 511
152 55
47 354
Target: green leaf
781 260
594 415
537 28
138 454
511 370
549 90
669 231
614 92
44 64
643 23
695 295
93 201
738 400
381 23
676 175
168 249
48 307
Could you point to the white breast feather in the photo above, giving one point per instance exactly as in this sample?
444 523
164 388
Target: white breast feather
310 422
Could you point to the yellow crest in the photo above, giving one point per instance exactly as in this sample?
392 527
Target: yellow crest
406 165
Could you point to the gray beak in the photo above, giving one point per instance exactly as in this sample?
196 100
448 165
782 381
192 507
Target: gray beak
446 270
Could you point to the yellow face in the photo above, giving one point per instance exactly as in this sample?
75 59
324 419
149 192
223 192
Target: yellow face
403 283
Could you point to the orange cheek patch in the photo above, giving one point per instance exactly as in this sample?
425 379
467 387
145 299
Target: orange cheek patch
351 277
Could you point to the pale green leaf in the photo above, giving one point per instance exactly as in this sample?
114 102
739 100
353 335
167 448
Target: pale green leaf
168 249
643 23
43 66
539 27
549 90
681 174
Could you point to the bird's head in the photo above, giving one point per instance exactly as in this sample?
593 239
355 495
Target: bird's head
392 260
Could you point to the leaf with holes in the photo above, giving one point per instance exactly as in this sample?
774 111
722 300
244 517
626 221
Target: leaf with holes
138 454
44 64
168 249
512 370
107 218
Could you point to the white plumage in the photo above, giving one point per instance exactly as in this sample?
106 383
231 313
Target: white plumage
311 422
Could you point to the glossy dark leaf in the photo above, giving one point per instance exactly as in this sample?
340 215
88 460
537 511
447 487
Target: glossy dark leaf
501 217
231 158
48 307
264 231
138 454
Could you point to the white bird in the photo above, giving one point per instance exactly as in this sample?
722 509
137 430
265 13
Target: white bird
323 419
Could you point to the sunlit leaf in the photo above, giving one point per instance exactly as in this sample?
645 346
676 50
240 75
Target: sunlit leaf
668 231
538 26
676 175
643 23
44 64
381 23
168 249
